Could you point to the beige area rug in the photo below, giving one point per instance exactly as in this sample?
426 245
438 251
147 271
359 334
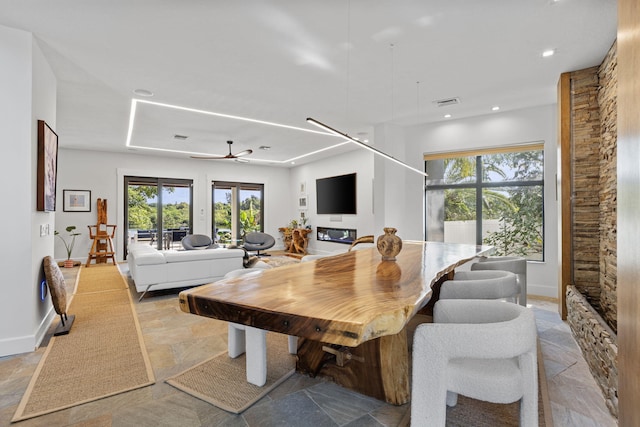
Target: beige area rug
103 355
221 380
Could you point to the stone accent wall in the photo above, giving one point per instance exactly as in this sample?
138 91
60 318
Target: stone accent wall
592 301
585 182
593 334
608 188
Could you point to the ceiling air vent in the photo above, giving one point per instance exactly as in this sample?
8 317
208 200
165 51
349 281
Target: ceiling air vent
180 137
447 101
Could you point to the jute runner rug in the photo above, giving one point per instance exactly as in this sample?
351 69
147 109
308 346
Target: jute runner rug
104 354
222 382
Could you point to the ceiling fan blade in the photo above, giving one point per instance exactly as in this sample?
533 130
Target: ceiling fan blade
228 156
210 157
243 153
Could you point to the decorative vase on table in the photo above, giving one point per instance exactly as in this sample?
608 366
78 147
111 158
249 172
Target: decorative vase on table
389 245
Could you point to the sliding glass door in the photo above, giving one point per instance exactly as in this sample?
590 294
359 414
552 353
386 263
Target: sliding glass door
158 211
237 210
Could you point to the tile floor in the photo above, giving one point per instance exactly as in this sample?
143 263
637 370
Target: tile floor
176 341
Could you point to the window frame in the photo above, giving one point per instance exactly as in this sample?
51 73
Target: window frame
160 183
236 188
479 185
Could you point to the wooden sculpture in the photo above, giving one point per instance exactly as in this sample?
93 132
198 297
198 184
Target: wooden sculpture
58 291
299 241
295 239
363 239
102 235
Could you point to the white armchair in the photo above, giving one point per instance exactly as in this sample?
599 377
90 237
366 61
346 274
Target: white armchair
493 284
516 265
485 350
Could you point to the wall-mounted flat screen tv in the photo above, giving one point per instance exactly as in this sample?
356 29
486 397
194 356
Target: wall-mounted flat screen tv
336 195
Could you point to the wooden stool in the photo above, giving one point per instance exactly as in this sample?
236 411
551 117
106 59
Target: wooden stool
102 246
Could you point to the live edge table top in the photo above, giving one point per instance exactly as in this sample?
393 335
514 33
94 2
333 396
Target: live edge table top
345 299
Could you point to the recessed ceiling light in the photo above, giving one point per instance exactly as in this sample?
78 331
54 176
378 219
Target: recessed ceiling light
293 163
496 108
447 116
264 147
143 92
548 52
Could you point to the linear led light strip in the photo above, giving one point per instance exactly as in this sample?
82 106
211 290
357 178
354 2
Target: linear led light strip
132 117
363 145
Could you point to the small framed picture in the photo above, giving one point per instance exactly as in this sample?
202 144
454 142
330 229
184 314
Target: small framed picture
302 201
76 200
303 187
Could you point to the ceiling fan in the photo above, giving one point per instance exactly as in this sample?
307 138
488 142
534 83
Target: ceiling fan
228 156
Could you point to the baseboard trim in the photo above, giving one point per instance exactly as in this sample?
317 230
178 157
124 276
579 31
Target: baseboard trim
27 343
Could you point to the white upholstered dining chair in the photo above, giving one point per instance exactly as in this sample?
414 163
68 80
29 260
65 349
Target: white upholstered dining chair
484 350
516 265
493 284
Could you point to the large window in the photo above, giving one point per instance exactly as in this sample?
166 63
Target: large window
158 211
237 210
492 197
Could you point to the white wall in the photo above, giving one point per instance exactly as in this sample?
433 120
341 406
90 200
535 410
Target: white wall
359 161
395 185
43 108
103 174
28 89
494 130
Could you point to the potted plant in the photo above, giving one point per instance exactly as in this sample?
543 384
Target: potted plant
68 245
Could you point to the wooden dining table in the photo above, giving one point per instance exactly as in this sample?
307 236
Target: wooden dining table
350 310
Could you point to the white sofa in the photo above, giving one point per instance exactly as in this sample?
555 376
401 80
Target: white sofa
152 269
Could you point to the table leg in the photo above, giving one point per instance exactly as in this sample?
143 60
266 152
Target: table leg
252 342
256 342
236 340
378 368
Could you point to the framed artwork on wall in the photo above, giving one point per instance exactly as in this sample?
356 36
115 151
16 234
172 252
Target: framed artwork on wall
76 200
47 174
302 201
